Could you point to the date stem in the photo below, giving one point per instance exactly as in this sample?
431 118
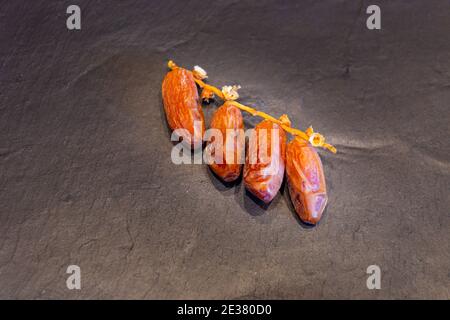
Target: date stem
314 138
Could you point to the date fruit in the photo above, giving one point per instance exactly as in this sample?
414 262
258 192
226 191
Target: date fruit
228 118
306 181
182 106
263 177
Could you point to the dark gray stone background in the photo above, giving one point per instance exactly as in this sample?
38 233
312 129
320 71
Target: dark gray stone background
85 170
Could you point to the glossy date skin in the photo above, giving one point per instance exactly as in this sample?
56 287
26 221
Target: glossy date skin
264 178
182 105
228 117
306 181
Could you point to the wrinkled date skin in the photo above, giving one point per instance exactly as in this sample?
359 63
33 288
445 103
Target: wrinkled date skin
306 181
182 105
264 178
228 117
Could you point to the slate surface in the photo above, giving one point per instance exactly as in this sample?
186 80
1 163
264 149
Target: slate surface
85 170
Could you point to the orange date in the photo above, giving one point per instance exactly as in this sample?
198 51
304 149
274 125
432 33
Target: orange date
182 106
264 177
306 181
226 119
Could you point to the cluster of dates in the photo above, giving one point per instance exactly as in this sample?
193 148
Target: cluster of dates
298 158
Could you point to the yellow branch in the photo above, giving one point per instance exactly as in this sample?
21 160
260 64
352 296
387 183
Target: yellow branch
216 91
314 138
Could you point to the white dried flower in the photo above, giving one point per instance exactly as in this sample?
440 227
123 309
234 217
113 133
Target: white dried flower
230 92
316 139
200 73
